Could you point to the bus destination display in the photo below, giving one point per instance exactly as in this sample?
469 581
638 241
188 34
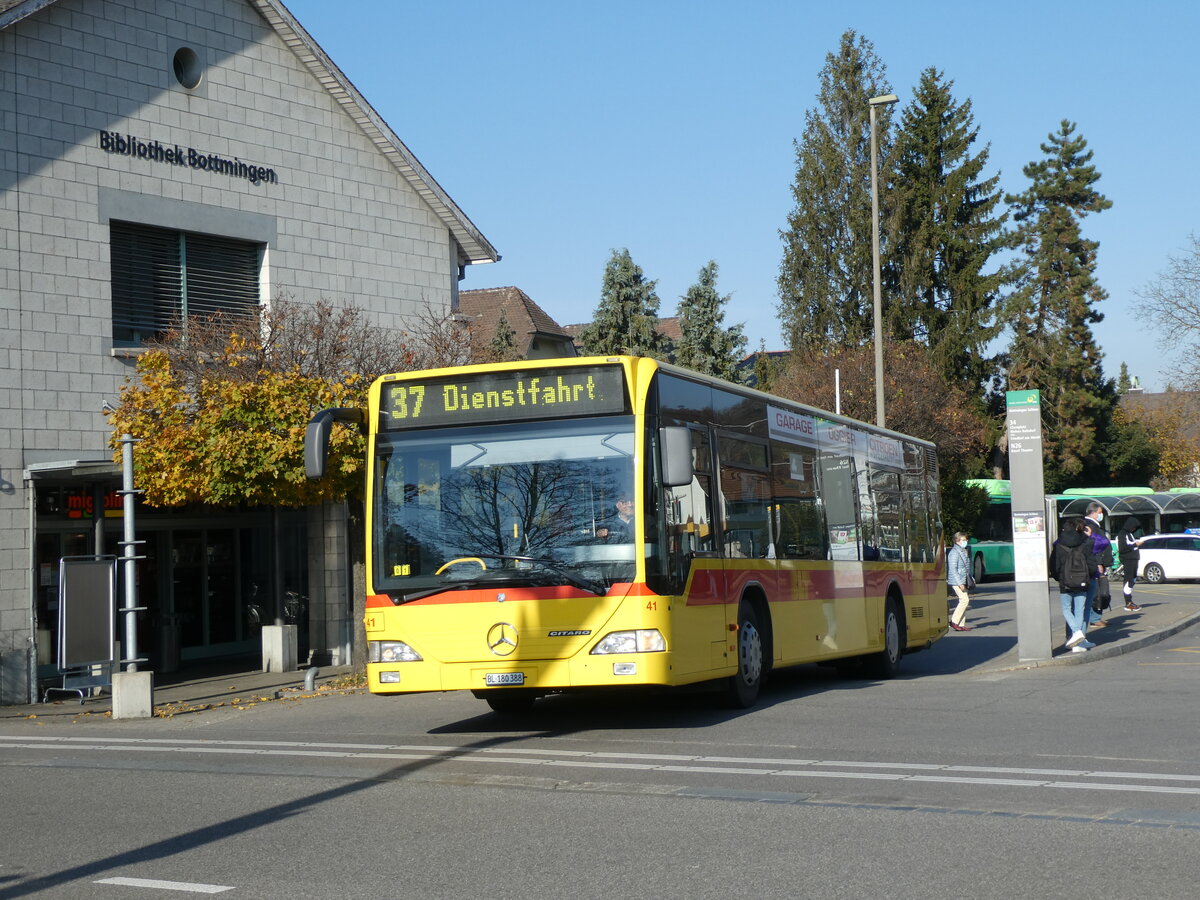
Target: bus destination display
512 396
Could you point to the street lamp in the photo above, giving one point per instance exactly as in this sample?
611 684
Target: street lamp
884 100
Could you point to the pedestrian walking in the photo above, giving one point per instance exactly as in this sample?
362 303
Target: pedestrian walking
1074 565
1129 553
958 576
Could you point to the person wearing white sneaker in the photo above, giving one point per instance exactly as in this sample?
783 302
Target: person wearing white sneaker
1073 563
1128 549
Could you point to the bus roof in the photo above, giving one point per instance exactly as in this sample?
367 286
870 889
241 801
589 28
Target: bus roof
1106 492
997 488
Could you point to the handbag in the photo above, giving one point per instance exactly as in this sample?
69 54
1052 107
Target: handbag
1103 598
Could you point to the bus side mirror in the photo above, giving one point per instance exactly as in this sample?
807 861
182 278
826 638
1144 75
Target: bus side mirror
316 437
675 445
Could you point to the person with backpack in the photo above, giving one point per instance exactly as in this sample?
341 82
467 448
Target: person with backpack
1074 567
1130 555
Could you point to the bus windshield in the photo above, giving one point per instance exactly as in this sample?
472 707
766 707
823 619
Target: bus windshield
534 503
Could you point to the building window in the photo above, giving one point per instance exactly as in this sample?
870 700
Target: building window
160 278
188 70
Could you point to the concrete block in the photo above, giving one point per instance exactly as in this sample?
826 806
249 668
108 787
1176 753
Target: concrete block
133 695
280 648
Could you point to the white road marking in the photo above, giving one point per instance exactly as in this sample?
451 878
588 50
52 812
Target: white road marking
158 884
867 770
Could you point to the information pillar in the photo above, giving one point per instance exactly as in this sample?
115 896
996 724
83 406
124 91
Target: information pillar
1029 525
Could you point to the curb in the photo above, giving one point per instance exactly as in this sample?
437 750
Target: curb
1118 648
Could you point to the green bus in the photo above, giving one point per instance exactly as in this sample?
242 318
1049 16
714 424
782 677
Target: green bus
991 546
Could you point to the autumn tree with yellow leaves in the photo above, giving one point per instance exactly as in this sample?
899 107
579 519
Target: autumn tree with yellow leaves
1170 429
219 406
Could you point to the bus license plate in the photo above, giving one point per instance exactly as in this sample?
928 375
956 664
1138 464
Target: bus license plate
504 678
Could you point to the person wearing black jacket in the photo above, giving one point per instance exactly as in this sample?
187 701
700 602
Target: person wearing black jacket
1074 563
1130 555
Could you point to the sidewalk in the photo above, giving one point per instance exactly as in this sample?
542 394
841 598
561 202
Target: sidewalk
990 646
212 685
992 641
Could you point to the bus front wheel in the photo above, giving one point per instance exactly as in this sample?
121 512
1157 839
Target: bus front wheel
886 663
509 702
742 690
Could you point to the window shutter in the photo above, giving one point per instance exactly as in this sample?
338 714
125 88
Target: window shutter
160 276
147 282
222 275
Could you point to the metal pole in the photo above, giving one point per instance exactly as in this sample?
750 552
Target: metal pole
880 419
129 544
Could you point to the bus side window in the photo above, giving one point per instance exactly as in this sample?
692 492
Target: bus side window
798 520
745 498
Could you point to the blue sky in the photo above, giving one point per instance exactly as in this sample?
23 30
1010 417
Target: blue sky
567 129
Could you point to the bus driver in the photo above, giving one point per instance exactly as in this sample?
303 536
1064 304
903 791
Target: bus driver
618 528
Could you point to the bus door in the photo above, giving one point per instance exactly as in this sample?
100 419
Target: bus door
694 565
747 524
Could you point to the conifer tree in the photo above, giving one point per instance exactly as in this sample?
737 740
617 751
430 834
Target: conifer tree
825 278
705 345
626 321
503 346
943 281
1051 314
1124 382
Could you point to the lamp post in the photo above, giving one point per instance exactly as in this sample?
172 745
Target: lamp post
884 100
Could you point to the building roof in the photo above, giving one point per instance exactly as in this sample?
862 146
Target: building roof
525 317
473 246
1186 402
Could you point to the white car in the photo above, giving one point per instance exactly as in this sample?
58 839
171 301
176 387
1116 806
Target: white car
1172 556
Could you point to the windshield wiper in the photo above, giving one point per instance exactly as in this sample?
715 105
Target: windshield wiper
550 572
572 578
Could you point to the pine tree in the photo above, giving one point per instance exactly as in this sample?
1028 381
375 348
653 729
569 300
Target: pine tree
503 346
704 344
943 284
1124 382
626 321
1051 314
826 276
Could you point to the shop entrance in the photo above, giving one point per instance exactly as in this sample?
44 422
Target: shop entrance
208 579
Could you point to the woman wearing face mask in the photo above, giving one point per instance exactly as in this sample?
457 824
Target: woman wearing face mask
958 571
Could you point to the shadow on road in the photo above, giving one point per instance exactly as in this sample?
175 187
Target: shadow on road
168 847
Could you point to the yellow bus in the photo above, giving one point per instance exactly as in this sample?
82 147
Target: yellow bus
551 525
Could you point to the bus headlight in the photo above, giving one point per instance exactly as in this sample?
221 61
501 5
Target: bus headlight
646 640
391 651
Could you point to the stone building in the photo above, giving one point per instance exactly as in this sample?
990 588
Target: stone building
169 157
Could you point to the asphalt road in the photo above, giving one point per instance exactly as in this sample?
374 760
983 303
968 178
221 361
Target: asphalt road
1075 781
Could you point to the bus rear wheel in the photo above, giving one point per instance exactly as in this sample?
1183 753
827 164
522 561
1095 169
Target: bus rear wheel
742 689
979 569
